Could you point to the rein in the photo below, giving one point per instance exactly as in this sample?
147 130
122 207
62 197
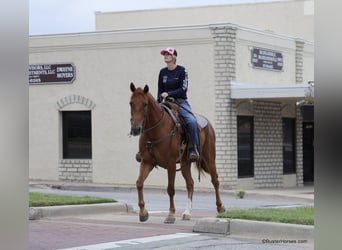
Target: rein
154 126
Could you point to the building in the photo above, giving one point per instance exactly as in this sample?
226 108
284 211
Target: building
246 79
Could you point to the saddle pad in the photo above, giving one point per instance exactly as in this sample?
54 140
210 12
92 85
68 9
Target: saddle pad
201 121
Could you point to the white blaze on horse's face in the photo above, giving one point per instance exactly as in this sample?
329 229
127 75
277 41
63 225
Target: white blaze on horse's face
139 107
138 114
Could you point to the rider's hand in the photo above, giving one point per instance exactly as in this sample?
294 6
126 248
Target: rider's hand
164 95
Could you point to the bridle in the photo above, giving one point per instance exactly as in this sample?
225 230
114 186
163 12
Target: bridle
145 118
150 143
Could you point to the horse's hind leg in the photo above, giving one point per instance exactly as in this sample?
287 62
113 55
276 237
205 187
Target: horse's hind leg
214 180
144 172
211 168
186 172
208 164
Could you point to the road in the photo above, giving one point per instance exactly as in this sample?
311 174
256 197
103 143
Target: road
124 231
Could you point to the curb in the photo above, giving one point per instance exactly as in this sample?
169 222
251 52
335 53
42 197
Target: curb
36 213
254 228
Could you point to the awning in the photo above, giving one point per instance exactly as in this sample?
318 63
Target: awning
242 90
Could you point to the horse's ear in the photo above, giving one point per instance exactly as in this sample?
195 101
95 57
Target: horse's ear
132 87
146 89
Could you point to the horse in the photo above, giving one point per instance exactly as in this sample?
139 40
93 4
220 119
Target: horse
160 143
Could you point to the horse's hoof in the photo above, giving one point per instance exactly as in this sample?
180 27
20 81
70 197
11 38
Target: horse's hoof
169 220
144 217
186 217
221 209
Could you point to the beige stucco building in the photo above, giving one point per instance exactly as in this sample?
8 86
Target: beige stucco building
246 75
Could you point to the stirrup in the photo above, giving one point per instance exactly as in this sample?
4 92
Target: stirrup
193 155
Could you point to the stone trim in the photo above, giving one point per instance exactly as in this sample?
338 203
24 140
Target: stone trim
224 38
77 170
299 60
67 100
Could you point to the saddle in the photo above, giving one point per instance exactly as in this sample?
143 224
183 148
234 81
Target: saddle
171 107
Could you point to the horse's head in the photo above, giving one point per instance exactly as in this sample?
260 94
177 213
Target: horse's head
139 107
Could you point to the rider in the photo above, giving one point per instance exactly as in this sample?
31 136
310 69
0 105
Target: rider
173 82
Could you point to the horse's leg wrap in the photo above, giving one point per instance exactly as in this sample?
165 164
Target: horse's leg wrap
187 213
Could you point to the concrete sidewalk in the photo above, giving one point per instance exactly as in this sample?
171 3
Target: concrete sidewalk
304 193
204 225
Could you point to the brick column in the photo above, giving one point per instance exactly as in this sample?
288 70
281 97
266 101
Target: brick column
225 111
299 61
268 142
299 122
299 148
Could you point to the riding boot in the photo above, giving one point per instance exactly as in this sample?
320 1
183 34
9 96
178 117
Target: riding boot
138 157
193 154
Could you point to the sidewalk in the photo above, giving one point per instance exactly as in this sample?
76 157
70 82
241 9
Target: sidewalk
305 192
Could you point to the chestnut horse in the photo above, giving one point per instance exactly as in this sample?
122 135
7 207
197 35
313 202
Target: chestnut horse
160 144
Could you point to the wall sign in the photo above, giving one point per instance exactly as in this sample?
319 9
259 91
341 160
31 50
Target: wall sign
267 59
51 73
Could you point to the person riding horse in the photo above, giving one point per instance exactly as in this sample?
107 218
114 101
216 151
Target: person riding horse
160 144
173 83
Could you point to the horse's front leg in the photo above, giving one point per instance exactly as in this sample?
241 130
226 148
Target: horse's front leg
171 172
186 172
145 169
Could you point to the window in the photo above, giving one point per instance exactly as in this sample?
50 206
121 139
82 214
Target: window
289 146
245 146
77 135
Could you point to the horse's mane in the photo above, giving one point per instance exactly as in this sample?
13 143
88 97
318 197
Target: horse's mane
150 97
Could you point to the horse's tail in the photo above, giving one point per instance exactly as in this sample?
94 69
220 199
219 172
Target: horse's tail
200 169
208 150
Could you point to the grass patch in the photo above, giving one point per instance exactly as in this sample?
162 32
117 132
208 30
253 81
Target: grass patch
301 215
42 200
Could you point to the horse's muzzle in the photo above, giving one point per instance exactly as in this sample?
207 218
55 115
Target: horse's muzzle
136 130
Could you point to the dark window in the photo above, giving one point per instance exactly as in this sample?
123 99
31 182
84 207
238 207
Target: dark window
77 135
289 146
308 152
245 146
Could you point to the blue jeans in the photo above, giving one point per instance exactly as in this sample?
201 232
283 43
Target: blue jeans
190 122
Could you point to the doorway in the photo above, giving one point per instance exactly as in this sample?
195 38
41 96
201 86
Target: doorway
308 152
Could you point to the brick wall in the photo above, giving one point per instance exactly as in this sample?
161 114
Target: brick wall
75 170
268 141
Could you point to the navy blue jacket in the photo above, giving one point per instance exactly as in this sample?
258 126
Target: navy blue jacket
174 82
